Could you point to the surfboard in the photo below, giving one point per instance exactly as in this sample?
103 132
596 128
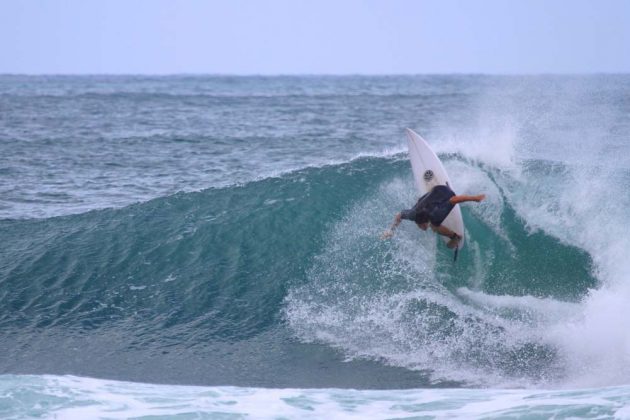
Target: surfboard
428 172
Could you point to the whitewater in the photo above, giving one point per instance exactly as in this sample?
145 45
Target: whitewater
209 246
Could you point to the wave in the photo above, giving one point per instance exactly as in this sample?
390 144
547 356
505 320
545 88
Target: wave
297 256
281 280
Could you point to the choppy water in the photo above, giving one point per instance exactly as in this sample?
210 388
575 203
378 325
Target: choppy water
223 231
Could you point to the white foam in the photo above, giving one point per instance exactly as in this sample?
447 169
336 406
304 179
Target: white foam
585 208
532 309
557 160
406 317
492 142
69 397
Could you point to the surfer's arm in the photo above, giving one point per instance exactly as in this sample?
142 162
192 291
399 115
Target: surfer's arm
464 198
397 220
390 232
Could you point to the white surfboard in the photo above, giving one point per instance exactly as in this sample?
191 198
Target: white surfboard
428 172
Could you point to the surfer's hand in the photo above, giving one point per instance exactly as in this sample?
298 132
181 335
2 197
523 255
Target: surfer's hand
480 197
387 234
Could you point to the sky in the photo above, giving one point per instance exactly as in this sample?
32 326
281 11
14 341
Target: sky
314 37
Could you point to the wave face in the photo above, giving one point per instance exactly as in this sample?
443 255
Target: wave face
278 279
176 276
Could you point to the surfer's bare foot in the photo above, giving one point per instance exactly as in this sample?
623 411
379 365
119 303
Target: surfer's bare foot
455 238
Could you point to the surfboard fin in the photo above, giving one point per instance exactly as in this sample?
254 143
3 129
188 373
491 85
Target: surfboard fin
455 254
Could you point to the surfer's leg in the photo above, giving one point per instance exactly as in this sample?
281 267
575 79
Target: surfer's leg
444 231
463 198
454 241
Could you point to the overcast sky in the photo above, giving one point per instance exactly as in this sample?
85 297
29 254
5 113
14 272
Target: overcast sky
314 37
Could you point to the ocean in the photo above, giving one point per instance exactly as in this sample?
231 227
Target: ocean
208 247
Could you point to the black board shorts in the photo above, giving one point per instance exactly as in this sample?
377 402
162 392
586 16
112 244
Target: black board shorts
432 207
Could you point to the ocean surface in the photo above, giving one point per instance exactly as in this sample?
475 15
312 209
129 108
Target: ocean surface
208 247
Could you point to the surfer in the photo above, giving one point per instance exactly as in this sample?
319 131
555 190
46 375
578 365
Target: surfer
431 210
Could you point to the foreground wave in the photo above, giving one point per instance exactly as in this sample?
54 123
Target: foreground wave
77 397
252 282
